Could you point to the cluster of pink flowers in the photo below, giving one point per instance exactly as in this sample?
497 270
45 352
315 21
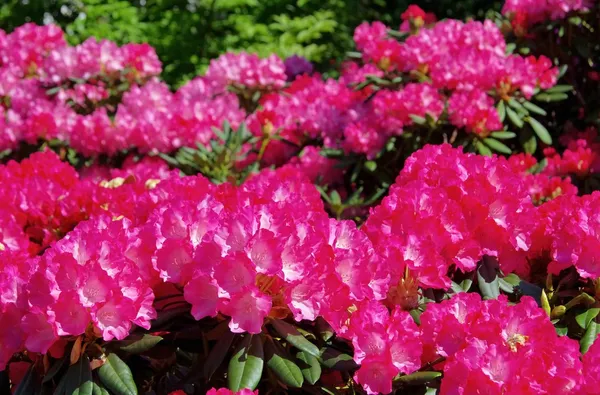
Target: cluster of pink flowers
432 221
449 71
43 199
542 186
580 158
246 71
525 13
50 90
489 345
268 249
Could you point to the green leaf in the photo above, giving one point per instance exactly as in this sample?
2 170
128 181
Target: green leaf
560 89
282 365
310 367
514 117
487 278
528 141
534 109
482 148
562 70
54 369
117 377
79 377
540 130
561 331
589 337
456 288
97 390
218 354
324 329
336 360
497 146
506 286
585 318
501 108
417 378
512 279
516 105
503 135
551 97
466 284
416 315
144 344
291 334
335 198
510 48
417 119
246 365
371 165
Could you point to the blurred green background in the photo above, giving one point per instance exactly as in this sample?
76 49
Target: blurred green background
188 33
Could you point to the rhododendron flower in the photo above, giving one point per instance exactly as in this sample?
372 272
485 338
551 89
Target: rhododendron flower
415 16
247 71
534 11
591 369
430 221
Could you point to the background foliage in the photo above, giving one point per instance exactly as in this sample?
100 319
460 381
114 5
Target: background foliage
188 33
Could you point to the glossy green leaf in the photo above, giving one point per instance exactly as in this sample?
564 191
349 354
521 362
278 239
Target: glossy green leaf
323 328
310 366
487 278
246 365
337 360
456 288
560 89
482 148
98 390
79 378
516 105
512 279
506 286
561 331
282 365
497 146
417 378
585 318
534 109
116 376
54 369
551 97
144 344
466 284
503 135
540 130
529 141
218 353
291 334
501 108
589 337
416 316
417 119
514 117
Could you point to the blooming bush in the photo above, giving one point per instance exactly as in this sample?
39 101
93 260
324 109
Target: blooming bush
382 232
